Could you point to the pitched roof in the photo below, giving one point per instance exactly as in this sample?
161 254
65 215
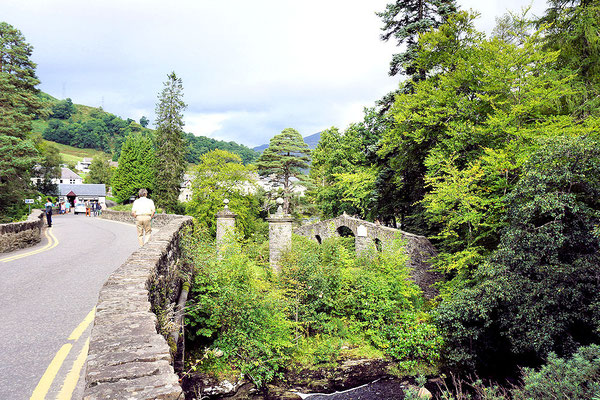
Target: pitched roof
66 173
83 189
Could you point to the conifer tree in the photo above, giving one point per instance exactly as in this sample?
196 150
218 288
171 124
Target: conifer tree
170 143
136 167
19 104
285 158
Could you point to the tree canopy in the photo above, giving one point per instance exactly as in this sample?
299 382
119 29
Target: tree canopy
170 144
286 157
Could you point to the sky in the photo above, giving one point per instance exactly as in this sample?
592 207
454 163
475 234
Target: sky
249 68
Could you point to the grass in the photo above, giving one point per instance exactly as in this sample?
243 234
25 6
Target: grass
72 154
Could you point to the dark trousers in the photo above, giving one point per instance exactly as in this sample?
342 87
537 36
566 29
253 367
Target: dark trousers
49 218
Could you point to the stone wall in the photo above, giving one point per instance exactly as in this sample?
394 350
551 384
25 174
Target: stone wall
158 221
128 358
18 235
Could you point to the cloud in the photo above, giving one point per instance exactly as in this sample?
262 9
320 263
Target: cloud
249 68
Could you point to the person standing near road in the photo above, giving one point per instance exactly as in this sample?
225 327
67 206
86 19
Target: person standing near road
48 208
143 210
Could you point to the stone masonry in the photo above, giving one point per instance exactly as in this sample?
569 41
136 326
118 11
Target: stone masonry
18 235
370 236
128 358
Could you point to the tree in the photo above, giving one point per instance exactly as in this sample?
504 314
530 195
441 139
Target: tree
100 171
136 167
144 121
48 167
284 159
19 104
405 20
63 109
221 175
538 292
170 144
573 29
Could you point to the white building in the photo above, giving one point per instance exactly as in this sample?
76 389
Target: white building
81 193
185 188
66 176
84 165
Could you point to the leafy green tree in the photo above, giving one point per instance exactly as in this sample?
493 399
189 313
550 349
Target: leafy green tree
170 144
221 175
19 104
538 292
63 109
285 158
48 167
100 171
136 167
144 121
342 179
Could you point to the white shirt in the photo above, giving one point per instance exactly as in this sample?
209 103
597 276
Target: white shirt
143 206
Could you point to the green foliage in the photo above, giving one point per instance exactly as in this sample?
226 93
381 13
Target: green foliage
219 176
63 109
233 311
405 21
170 144
199 145
285 158
537 293
19 105
342 179
136 167
324 302
100 171
575 378
48 168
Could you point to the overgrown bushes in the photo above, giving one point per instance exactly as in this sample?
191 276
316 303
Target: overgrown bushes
324 305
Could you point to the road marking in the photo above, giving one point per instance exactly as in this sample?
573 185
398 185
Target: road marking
44 385
83 325
73 376
52 243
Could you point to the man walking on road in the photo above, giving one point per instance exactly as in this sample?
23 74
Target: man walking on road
143 210
48 208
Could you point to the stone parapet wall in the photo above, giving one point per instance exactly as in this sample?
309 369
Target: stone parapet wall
18 235
158 221
128 358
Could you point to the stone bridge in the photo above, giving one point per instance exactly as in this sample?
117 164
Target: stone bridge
370 236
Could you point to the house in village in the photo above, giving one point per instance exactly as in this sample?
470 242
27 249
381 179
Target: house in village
82 192
84 165
66 176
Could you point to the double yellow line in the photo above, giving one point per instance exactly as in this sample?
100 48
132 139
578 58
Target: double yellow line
52 243
72 377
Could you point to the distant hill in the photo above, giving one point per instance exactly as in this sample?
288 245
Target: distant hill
311 141
87 127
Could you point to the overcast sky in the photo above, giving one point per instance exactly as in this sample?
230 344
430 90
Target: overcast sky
249 68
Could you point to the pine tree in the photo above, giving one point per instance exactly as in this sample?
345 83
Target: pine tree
170 143
285 158
136 167
405 20
19 104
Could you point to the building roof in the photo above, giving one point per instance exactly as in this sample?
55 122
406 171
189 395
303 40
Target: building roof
66 173
83 189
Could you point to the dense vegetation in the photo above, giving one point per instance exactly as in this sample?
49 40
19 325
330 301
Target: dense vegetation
324 304
491 149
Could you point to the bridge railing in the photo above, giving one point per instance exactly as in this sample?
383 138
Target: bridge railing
128 358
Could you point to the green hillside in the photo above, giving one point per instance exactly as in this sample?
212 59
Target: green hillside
78 126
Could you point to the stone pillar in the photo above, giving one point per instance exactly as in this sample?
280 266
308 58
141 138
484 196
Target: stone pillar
362 242
280 235
225 226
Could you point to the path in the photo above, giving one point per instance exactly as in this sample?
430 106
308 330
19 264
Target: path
46 293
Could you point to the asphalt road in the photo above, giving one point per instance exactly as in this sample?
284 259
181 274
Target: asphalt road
46 292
